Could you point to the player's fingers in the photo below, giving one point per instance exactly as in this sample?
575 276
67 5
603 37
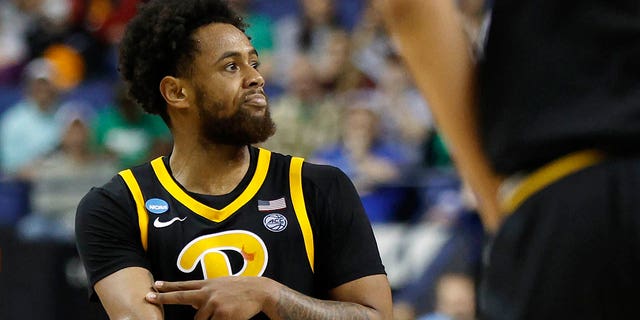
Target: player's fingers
190 298
167 286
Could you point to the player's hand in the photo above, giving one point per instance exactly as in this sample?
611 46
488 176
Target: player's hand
237 298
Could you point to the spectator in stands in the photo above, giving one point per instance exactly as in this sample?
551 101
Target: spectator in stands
373 164
59 182
406 113
32 128
332 64
408 120
104 21
127 133
306 116
452 209
57 22
455 298
311 32
13 45
371 45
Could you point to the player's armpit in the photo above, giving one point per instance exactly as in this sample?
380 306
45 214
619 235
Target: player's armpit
122 295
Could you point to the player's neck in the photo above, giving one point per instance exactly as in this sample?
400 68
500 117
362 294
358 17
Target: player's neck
214 170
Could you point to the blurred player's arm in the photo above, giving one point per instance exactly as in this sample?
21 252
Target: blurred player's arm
432 42
122 295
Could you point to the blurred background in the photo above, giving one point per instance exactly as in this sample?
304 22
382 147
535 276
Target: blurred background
339 95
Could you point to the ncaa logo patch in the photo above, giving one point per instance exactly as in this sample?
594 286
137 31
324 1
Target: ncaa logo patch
157 206
275 222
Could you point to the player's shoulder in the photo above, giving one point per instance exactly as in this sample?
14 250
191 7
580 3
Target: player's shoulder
326 180
312 172
111 202
114 189
322 172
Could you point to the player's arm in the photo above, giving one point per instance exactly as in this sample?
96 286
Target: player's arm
122 295
365 298
432 42
108 241
243 297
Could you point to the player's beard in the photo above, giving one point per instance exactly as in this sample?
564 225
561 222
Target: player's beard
239 129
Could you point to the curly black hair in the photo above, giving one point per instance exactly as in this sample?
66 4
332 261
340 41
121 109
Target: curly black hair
158 42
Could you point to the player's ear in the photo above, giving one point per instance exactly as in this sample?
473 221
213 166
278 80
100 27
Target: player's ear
174 92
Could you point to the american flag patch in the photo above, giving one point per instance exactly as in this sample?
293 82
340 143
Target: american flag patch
271 205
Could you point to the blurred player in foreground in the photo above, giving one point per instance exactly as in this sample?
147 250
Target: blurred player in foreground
551 113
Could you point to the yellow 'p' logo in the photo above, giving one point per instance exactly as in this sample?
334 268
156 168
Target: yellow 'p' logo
209 251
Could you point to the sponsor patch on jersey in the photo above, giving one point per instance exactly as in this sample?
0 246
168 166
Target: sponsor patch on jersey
157 206
275 222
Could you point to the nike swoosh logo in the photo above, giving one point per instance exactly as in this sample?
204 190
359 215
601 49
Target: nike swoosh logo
159 224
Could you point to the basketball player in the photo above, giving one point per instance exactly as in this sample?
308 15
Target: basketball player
557 113
220 229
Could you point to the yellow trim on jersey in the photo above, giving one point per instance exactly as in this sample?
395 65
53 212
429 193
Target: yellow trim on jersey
547 175
143 218
297 197
203 210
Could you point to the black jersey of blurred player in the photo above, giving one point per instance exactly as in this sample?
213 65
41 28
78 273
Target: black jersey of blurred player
560 76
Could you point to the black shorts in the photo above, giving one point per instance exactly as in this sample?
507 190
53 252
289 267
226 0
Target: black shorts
570 251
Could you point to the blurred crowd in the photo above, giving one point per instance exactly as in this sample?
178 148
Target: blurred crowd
339 95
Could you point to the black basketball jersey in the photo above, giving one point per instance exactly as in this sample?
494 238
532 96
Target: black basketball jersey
299 223
263 232
560 76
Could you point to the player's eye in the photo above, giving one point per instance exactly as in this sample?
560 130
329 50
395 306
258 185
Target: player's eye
231 67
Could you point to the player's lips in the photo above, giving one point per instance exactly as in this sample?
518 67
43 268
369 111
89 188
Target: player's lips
256 99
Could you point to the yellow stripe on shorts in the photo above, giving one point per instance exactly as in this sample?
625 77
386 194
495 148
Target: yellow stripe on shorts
547 175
